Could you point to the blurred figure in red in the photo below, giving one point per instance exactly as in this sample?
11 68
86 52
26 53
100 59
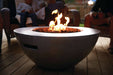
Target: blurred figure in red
102 14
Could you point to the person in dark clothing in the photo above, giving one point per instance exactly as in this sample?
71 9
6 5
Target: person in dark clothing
100 4
105 5
11 5
102 13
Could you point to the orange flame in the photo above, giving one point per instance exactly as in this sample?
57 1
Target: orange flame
58 27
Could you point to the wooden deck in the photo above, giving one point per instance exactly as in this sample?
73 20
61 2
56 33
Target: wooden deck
14 62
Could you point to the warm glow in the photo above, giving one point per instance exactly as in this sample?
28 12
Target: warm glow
90 2
56 25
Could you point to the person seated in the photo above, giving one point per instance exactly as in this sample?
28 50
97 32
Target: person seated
39 8
41 12
25 10
102 14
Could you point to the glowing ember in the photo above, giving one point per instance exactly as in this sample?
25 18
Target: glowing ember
53 26
46 29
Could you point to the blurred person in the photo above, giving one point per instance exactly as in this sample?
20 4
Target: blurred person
25 10
102 14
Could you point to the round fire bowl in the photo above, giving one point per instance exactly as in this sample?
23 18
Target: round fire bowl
56 50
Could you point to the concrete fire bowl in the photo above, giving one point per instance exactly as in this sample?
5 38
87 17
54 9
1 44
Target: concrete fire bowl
57 50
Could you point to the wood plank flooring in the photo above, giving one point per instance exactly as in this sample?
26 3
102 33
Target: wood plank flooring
14 62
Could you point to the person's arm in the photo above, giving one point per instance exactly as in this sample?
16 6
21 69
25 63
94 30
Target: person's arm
20 8
35 5
31 11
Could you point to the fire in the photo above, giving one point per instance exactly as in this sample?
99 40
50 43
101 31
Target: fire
56 25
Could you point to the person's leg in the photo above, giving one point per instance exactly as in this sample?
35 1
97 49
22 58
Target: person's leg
34 19
23 19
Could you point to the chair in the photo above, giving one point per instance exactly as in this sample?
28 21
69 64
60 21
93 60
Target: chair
10 22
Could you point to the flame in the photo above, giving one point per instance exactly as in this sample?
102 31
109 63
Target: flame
55 11
58 27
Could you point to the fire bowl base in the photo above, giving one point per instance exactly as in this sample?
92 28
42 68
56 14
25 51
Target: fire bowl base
56 50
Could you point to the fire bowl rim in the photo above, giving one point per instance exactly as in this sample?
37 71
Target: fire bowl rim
85 31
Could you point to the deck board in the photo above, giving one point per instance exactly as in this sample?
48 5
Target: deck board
93 65
103 57
25 68
81 68
35 70
13 61
14 66
9 61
